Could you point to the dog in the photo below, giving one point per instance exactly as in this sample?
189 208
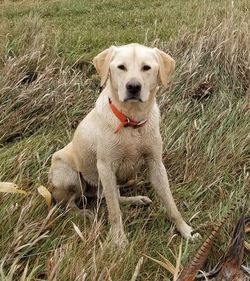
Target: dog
119 135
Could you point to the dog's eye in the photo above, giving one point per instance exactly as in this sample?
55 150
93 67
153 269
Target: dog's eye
146 67
122 67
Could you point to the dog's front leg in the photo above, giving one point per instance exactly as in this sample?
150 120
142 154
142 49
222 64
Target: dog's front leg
108 180
159 180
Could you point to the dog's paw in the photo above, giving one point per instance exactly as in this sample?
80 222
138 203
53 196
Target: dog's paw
142 200
82 213
187 232
121 243
88 214
119 239
135 200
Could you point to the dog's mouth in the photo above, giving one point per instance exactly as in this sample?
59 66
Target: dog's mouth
132 99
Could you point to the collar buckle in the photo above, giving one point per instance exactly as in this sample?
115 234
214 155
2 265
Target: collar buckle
127 122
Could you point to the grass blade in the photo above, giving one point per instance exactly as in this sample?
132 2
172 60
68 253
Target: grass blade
10 187
42 190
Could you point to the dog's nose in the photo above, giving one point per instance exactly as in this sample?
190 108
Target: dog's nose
133 87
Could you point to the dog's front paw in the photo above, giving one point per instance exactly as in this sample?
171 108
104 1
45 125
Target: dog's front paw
121 242
187 231
119 239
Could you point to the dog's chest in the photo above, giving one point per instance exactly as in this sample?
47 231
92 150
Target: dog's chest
130 154
131 145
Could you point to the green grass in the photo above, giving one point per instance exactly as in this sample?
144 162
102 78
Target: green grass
82 28
205 127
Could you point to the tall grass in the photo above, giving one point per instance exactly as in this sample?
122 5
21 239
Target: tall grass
206 131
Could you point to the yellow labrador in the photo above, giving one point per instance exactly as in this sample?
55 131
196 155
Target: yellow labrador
117 136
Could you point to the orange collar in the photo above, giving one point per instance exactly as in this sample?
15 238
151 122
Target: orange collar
125 121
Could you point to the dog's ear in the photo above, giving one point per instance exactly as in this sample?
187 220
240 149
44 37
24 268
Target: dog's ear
167 66
102 62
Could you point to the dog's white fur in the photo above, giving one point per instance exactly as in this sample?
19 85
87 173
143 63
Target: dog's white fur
97 153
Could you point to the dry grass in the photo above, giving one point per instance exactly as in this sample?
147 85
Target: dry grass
205 127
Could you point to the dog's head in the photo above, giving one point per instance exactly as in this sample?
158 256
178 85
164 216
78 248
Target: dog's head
133 70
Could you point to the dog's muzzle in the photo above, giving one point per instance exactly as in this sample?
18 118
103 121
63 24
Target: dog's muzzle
133 93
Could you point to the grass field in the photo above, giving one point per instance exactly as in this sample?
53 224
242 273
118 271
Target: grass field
48 84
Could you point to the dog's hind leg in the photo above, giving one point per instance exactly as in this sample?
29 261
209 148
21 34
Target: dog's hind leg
66 185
